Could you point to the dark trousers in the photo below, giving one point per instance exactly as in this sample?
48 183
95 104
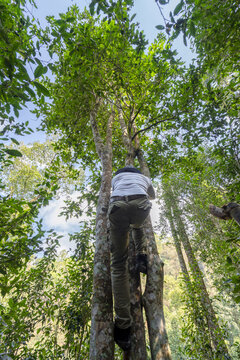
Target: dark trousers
124 215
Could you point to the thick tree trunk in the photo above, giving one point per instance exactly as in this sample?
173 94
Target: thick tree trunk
101 338
153 295
218 343
153 301
138 350
229 211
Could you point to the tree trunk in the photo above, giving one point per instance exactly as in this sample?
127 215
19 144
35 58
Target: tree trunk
138 349
199 322
218 343
153 301
101 338
153 295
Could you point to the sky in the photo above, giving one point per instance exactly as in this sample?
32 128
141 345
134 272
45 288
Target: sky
148 16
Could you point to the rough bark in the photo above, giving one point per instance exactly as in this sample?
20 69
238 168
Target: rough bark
138 350
101 338
153 295
229 211
153 301
216 334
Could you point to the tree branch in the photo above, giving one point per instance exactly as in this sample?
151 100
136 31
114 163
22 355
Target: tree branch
96 134
109 130
226 212
152 125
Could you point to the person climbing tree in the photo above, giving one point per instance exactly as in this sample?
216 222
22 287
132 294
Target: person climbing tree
128 209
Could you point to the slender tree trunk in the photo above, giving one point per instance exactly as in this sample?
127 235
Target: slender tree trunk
177 243
199 322
218 343
101 338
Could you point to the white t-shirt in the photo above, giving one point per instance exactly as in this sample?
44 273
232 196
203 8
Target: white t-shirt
130 183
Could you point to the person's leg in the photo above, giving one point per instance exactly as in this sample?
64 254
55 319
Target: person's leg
139 239
140 209
119 235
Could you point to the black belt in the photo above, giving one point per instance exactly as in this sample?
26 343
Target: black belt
127 197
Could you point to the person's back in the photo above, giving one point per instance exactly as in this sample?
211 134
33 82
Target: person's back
130 183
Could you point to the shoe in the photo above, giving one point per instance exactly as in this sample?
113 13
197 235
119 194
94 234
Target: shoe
142 263
122 337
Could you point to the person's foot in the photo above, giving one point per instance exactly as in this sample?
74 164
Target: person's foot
122 337
142 263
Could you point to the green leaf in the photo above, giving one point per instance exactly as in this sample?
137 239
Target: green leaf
15 141
23 70
132 17
16 112
40 70
91 8
38 61
30 91
160 27
192 28
41 89
13 152
60 22
171 17
178 8
70 19
237 299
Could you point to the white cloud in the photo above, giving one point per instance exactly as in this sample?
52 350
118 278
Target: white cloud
52 219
